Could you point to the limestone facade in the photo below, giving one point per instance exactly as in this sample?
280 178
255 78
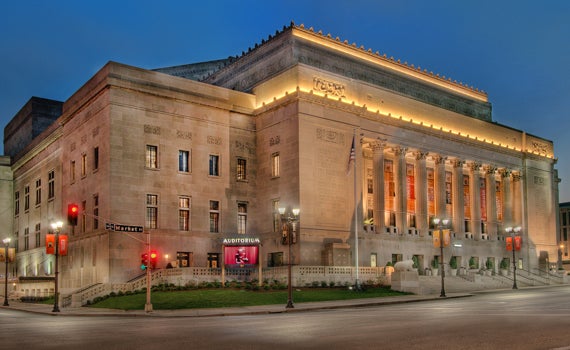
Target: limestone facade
195 162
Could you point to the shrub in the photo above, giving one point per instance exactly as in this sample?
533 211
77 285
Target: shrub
331 284
453 262
323 284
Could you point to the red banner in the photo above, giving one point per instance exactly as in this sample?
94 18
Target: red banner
446 238
518 243
509 242
2 254
62 249
241 256
50 243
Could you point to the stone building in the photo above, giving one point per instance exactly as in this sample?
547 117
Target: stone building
206 151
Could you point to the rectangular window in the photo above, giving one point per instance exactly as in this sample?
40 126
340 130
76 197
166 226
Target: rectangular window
95 158
241 169
242 218
276 216
275 165
38 191
72 171
17 203
184 161
26 238
26 198
51 184
83 221
214 216
151 157
214 168
95 212
38 235
184 213
83 165
213 260
151 210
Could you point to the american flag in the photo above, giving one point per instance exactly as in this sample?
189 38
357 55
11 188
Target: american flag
351 157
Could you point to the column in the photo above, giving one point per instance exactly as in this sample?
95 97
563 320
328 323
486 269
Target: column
491 199
400 179
507 197
422 223
475 200
458 197
517 199
439 184
378 185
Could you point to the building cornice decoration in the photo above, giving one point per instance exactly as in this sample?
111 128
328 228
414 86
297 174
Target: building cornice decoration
490 169
475 166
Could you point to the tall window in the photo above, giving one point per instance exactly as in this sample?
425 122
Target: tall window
275 165
17 203
26 198
214 216
83 164
151 210
214 169
95 158
51 184
26 238
184 161
276 216
242 218
72 171
151 157
83 221
184 213
241 169
38 235
95 211
38 191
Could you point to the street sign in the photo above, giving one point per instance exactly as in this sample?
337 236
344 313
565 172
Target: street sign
124 228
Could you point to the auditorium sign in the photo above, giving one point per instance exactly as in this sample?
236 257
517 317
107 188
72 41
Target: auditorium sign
241 251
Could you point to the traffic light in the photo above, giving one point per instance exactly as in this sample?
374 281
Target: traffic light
72 214
144 261
153 258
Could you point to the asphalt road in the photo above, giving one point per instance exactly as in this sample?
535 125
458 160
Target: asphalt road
522 319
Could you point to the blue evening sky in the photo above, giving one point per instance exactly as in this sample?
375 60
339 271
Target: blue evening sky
516 50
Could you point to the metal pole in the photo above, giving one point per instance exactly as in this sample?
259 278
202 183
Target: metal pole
289 286
148 305
357 283
442 295
56 301
6 276
514 265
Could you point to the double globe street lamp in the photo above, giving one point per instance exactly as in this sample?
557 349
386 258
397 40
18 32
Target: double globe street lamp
57 228
513 231
289 221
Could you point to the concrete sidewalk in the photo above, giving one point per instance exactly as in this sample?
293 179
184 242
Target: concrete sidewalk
228 311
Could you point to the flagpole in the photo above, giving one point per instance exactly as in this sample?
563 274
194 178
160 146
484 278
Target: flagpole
357 285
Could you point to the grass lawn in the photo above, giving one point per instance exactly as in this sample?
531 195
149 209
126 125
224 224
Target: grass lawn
226 297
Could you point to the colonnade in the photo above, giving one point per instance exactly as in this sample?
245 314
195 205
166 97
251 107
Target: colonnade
411 187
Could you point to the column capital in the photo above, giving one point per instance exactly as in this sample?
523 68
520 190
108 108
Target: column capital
475 166
490 169
505 173
378 145
517 176
421 155
438 159
457 163
400 151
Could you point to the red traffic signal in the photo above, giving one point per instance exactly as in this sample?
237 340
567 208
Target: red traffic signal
144 261
153 258
72 214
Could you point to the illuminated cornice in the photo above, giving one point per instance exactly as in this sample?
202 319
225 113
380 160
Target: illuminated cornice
378 115
389 63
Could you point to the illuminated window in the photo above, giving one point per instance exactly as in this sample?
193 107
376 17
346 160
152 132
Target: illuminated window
214 216
275 165
151 159
151 210
241 169
184 213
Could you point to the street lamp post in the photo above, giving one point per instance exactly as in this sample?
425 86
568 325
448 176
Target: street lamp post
6 242
57 228
289 233
513 231
440 224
